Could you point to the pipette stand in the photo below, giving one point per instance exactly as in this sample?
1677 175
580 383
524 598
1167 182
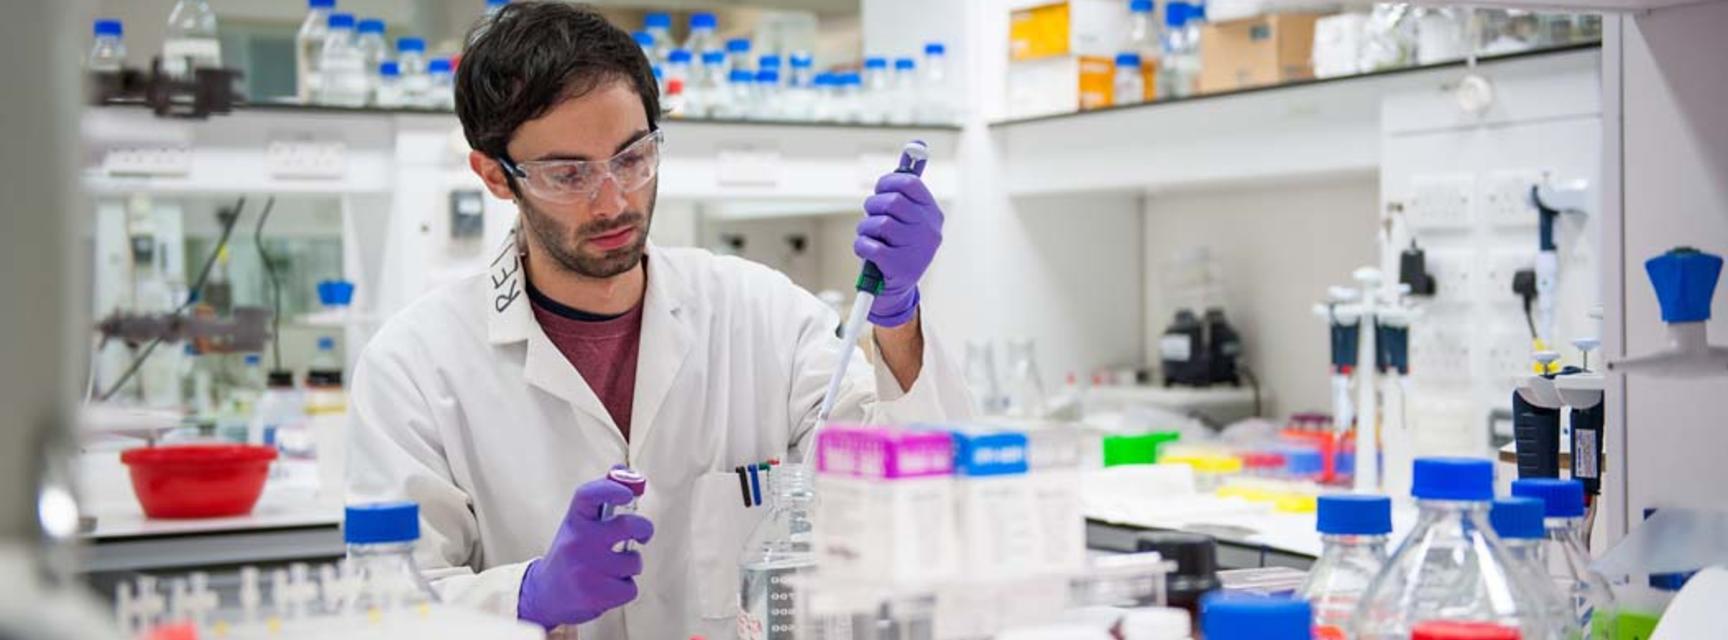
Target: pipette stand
1367 307
1684 280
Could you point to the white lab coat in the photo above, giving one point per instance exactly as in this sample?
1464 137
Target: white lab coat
462 404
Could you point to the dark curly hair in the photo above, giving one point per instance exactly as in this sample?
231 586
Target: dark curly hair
532 56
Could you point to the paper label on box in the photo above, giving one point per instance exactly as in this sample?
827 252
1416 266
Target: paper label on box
1039 32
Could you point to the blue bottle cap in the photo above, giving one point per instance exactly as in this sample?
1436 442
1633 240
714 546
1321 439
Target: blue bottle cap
1128 60
875 62
1518 518
679 55
371 25
438 65
320 4
643 38
326 343
1140 6
852 79
768 76
389 69
935 49
1197 11
109 28
1240 616
802 60
657 19
1303 462
905 64
496 3
1346 514
740 75
1561 498
410 43
1467 479
1175 14
252 360
659 74
768 62
381 523
1685 280
824 79
713 56
340 21
703 20
738 45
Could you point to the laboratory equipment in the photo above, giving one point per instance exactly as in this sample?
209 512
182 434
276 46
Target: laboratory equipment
702 38
1179 64
1564 557
707 94
342 75
374 50
1518 522
1196 570
876 97
380 539
411 61
637 484
913 158
108 52
1376 319
935 96
1025 385
678 77
904 477
778 549
388 93
1129 87
1230 616
442 94
658 26
903 91
1196 352
769 104
737 54
1685 280
1537 405
1451 566
849 98
309 48
198 480
190 42
280 417
1142 35
1353 532
738 101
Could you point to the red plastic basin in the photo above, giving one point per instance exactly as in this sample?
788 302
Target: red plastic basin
198 480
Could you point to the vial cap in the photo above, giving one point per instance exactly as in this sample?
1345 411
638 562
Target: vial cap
631 479
410 43
875 62
1452 630
703 20
1240 616
658 72
713 57
767 76
643 38
1128 60
496 3
768 62
657 19
381 523
1140 6
320 4
905 64
109 28
1354 515
802 60
252 360
1176 14
327 343
389 69
679 55
371 25
738 45
1560 498
1440 478
740 75
340 21
852 78
934 49
1517 518
438 65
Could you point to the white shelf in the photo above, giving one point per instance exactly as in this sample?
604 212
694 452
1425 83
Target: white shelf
1260 136
1603 6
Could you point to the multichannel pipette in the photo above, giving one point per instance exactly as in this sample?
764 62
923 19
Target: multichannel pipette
913 157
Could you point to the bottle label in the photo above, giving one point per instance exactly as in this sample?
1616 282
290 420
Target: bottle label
181 55
1178 348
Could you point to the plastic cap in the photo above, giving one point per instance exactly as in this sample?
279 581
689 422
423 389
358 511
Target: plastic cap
1354 515
326 343
340 21
381 522
320 4
875 62
631 479
768 62
1241 616
824 79
905 64
767 76
657 19
1128 60
658 72
1303 462
713 57
702 20
438 65
252 359
934 49
679 55
371 25
1470 479
1685 280
1560 498
1140 6
109 28
852 78
410 43
802 59
740 75
1156 622
643 38
738 45
497 3
1449 630
1518 518
389 69
1176 14
1197 11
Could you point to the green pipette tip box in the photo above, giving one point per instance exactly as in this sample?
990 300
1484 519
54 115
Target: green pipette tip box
1625 625
1136 449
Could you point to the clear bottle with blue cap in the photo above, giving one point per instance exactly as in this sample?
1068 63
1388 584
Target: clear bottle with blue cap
374 50
1129 86
850 97
309 48
902 109
678 78
739 101
708 92
442 74
875 99
380 538
738 54
1142 35
343 78
769 105
645 40
1354 530
703 37
771 62
658 26
411 61
1566 562
1179 65
388 93
108 52
1233 616
935 103
191 41
1451 566
1518 522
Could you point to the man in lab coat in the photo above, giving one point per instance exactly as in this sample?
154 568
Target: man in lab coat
500 403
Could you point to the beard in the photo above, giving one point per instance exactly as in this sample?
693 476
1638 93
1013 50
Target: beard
563 243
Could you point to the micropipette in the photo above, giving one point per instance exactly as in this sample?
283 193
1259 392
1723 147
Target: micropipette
913 157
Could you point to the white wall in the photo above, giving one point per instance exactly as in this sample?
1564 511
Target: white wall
1666 79
1278 248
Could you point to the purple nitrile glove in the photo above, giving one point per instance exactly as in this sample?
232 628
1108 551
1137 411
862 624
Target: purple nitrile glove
900 234
581 576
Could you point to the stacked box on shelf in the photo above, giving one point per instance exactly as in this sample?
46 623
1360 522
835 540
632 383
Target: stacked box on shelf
1258 51
1061 56
886 510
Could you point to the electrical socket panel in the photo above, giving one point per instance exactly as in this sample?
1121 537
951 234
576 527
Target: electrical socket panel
306 159
1497 269
1504 198
1453 271
169 160
1440 201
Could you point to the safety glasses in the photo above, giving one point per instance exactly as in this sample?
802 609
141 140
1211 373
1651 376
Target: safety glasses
569 181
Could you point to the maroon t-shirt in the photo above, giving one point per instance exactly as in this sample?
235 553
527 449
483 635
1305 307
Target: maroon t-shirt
602 348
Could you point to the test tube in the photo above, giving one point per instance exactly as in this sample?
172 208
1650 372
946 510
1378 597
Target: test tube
637 484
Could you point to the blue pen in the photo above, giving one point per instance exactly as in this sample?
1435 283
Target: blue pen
755 487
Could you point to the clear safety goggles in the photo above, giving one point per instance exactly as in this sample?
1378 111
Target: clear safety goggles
568 181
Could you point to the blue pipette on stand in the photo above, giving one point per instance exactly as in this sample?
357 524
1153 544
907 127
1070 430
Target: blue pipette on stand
913 157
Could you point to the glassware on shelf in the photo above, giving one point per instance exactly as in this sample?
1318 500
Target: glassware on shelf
981 378
108 51
1025 389
190 42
